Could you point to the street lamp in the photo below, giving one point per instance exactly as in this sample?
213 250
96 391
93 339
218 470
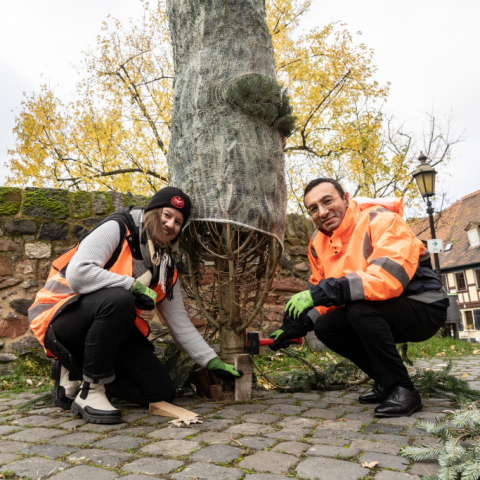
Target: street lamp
424 175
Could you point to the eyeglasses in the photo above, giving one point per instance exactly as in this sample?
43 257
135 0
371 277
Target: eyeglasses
327 204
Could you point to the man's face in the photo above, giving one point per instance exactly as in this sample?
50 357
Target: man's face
326 206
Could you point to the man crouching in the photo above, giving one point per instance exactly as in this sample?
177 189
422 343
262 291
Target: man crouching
365 259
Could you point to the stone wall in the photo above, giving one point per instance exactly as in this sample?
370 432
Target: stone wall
38 224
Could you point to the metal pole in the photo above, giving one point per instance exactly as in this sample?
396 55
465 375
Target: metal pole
432 233
437 260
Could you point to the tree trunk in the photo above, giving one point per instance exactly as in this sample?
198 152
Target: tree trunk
229 121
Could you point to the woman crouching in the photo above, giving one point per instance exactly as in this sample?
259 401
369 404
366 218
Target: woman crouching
87 315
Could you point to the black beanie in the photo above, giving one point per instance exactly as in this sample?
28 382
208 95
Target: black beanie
171 197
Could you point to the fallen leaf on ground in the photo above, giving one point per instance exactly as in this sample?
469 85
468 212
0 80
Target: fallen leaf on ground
476 352
464 375
369 465
29 382
186 420
452 347
441 354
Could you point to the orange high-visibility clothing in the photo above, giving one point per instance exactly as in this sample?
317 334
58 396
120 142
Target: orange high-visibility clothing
373 255
57 294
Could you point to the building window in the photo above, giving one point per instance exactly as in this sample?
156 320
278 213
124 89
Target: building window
473 237
477 278
445 281
460 281
469 324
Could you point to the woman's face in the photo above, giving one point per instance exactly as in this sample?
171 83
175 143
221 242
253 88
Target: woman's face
172 221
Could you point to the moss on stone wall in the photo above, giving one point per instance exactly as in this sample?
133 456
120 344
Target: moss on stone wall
45 203
81 207
102 203
10 200
136 200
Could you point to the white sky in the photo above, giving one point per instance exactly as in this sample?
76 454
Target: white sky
427 49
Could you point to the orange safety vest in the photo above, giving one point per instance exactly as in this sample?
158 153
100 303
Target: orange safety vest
57 294
376 253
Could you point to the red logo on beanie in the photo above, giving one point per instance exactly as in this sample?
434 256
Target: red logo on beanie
178 202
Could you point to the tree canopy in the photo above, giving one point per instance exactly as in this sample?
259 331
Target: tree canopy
115 136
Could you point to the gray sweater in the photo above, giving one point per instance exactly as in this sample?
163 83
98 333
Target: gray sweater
85 274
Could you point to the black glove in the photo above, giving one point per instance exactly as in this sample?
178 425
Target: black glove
291 329
145 298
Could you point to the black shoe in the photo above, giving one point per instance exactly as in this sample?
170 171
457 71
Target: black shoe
64 390
376 395
400 402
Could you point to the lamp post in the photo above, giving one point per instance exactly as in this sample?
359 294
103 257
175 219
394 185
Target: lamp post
424 175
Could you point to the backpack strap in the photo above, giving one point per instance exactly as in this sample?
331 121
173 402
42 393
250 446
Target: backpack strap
124 217
124 220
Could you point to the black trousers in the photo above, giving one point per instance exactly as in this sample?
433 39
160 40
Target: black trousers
366 333
99 331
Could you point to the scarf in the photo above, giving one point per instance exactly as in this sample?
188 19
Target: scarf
162 260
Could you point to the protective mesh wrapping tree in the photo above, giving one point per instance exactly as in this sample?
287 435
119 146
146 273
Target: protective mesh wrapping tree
229 121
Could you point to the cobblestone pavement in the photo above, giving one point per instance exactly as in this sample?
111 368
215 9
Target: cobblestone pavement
316 435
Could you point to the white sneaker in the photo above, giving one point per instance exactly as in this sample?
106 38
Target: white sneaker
65 389
92 404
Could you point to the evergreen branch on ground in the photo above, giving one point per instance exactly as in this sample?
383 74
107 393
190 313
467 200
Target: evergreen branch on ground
458 447
46 400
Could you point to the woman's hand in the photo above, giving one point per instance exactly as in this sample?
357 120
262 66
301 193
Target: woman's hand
145 298
224 371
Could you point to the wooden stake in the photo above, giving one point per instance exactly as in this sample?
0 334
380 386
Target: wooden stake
243 385
168 410
228 397
217 393
203 382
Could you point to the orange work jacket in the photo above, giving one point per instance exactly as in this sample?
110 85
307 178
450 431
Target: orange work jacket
373 255
57 294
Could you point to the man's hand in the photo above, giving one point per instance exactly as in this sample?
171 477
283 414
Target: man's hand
291 329
299 303
145 298
224 371
281 340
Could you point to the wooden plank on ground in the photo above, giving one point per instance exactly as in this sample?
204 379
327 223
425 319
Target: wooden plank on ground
166 409
243 385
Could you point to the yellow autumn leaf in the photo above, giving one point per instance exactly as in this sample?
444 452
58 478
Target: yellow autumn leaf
369 465
476 352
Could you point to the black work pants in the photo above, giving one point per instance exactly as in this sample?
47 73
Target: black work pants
366 333
99 331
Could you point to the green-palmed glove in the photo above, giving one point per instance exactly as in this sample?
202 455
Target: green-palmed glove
145 298
299 303
224 371
281 340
